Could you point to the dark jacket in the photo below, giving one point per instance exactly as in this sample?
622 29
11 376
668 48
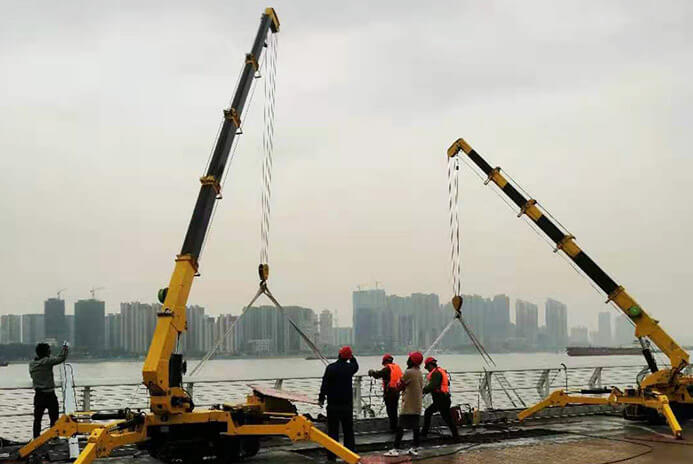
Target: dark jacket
384 374
336 383
434 383
41 371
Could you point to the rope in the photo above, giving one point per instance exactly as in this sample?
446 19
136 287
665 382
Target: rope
439 338
220 339
305 337
270 72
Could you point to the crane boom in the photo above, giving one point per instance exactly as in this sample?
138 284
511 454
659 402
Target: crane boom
645 326
161 373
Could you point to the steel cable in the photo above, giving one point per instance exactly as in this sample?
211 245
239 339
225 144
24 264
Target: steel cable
455 254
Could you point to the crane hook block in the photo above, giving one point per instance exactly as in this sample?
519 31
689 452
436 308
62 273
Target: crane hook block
457 303
263 270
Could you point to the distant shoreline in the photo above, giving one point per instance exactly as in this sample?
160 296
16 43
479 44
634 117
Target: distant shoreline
307 356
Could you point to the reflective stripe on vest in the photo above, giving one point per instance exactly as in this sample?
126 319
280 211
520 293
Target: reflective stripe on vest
445 381
395 375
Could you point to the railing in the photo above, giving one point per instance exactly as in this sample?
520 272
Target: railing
497 390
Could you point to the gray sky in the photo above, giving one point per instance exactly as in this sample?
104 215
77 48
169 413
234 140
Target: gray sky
109 110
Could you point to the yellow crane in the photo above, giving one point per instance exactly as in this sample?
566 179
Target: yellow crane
664 390
174 429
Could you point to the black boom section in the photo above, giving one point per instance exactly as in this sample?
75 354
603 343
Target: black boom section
479 161
584 262
194 238
514 195
595 273
550 229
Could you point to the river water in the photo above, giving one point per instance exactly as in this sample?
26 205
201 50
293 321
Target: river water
17 375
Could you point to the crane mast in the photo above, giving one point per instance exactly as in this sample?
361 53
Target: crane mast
162 372
645 326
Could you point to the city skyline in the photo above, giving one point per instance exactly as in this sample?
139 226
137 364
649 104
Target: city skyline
375 205
394 322
62 304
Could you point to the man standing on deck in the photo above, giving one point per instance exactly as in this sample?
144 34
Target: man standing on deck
391 375
336 387
411 386
439 388
41 371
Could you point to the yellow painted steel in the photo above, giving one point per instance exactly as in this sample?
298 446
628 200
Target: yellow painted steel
170 323
664 384
275 19
560 398
300 429
65 426
104 438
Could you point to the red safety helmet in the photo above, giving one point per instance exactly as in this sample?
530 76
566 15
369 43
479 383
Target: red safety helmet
416 357
345 352
387 358
430 360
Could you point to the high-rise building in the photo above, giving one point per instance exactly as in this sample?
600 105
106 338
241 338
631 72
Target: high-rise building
368 307
258 330
579 336
33 328
344 336
497 323
208 334
306 320
604 337
54 320
10 329
624 331
70 325
113 332
556 314
526 321
226 332
326 329
137 324
196 329
90 325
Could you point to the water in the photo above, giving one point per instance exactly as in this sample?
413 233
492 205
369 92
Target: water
270 368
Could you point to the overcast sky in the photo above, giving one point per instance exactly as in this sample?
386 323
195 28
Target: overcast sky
109 110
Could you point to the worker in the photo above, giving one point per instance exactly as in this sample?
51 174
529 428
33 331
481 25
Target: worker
41 372
391 375
411 386
336 387
439 387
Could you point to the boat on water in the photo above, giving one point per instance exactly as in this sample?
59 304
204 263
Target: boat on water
603 351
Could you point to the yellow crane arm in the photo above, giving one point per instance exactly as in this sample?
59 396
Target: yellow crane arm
645 326
162 371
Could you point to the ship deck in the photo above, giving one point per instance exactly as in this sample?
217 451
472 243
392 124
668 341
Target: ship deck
578 440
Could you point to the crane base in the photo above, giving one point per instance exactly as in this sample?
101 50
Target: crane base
229 433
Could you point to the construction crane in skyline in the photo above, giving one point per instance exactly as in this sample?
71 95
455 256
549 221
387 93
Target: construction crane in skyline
93 291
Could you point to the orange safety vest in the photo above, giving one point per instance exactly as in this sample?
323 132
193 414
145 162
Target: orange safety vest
395 375
444 384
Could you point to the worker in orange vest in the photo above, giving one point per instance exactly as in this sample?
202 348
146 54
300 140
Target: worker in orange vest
439 388
391 375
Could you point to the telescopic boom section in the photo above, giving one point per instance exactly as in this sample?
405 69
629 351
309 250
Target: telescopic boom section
645 326
161 373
